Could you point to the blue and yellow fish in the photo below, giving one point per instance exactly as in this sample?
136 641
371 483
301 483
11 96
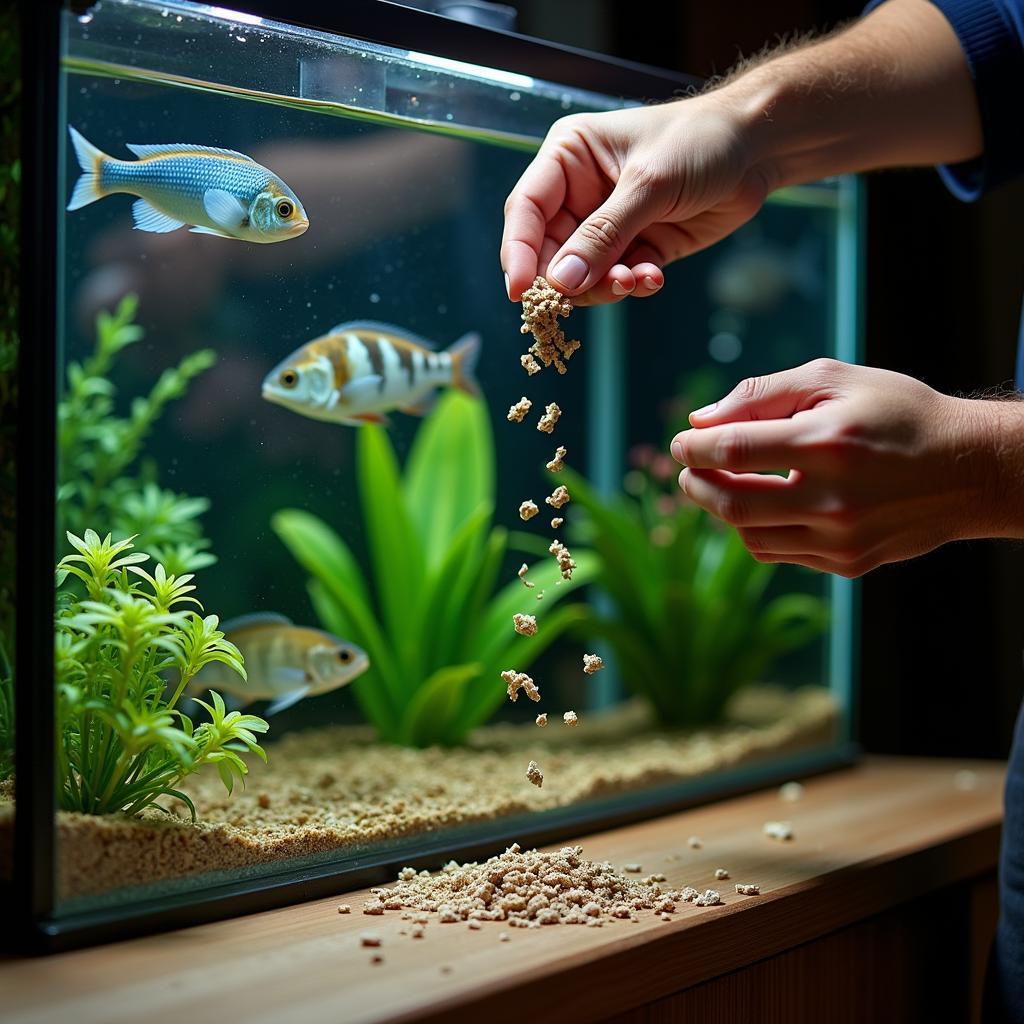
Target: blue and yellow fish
216 191
362 369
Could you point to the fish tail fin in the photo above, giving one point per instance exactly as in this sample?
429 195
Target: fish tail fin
91 159
465 355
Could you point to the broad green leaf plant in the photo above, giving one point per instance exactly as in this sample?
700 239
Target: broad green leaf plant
431 613
690 622
99 451
122 742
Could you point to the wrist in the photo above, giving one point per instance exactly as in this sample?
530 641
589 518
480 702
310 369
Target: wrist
989 450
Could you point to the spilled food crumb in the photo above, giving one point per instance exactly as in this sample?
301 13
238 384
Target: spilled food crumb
542 720
373 907
524 625
721 874
534 774
781 830
557 464
542 306
592 663
527 510
517 413
748 889
344 909
523 570
694 843
633 869
520 681
709 898
791 792
570 718
546 424
369 939
558 497
528 889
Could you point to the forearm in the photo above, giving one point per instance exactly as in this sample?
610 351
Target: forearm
891 90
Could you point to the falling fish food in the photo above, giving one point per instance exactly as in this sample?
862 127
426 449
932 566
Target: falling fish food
361 370
542 306
216 191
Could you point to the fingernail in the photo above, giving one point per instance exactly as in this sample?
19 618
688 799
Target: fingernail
508 290
651 284
706 410
682 481
570 272
619 289
677 451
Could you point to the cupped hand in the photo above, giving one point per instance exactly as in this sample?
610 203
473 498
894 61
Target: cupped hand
611 198
880 466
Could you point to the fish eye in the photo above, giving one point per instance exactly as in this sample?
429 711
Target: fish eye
285 208
344 654
289 379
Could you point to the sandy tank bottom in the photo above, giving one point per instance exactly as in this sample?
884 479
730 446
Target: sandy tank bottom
334 788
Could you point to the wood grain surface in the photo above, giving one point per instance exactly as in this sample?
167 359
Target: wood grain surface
865 839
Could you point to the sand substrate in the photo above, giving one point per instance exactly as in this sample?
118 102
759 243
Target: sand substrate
334 788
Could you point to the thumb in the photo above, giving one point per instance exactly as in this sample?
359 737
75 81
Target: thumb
773 396
594 247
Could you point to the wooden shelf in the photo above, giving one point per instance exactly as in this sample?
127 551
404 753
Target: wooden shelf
866 839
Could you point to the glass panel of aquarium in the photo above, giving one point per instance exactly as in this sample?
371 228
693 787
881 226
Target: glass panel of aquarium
299 579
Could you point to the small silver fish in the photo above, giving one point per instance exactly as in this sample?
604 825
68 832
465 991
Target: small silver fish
362 369
284 662
217 191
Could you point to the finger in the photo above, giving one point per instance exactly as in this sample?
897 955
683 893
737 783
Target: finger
744 447
746 500
601 238
618 284
649 279
775 395
799 540
848 571
535 200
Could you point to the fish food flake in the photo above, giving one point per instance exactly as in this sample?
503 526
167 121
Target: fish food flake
542 306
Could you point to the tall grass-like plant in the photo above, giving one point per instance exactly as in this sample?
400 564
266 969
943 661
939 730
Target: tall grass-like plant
122 743
691 623
431 613
99 451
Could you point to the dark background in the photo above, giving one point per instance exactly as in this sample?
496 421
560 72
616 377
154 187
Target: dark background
942 636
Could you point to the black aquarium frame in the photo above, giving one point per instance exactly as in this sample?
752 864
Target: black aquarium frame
30 918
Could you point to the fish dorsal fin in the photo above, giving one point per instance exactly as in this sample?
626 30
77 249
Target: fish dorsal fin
378 327
183 149
224 209
255 620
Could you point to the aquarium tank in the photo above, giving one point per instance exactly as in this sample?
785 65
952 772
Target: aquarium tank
316 579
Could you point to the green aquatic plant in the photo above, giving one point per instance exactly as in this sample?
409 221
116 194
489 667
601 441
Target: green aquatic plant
430 613
690 619
99 449
122 742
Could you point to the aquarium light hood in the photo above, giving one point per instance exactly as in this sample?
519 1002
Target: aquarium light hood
473 70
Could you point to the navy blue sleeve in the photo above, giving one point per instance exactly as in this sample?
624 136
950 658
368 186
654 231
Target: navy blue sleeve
991 33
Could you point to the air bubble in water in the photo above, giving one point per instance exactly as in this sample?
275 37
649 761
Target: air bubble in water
725 347
374 298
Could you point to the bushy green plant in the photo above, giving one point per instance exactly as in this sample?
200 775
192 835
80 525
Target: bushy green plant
437 630
122 743
98 450
690 623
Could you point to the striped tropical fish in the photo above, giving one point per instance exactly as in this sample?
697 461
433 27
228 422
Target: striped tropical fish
217 191
361 370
